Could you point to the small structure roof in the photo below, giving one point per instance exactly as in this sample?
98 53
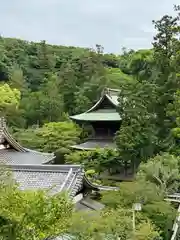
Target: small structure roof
93 144
111 94
11 152
96 113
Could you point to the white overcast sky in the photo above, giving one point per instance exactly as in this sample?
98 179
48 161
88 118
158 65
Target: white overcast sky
112 23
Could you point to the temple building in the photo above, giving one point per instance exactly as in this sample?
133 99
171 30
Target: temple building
33 170
59 178
104 119
11 152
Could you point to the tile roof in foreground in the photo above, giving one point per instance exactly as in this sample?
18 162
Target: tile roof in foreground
55 178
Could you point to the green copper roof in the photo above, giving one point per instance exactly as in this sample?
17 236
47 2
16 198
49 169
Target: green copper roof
111 94
96 113
99 115
114 100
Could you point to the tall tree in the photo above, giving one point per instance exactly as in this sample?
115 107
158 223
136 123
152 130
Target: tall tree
167 82
136 139
53 105
17 79
174 113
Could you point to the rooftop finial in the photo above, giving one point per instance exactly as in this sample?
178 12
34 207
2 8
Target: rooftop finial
105 91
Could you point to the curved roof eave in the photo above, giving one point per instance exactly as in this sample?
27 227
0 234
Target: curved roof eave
98 187
95 105
12 141
18 147
100 101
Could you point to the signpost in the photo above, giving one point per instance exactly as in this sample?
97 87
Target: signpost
135 207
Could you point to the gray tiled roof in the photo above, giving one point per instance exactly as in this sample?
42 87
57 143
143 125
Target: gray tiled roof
11 156
55 178
88 204
93 144
17 154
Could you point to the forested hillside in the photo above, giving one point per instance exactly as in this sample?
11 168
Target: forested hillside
54 80
43 84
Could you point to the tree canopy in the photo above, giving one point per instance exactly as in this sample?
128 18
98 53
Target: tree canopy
41 85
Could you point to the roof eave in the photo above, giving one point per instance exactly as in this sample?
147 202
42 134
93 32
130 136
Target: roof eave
50 155
96 187
96 120
82 148
12 141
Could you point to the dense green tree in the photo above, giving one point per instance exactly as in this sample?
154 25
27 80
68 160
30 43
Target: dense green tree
165 51
160 213
136 139
39 215
143 104
139 64
113 225
146 230
163 170
99 160
31 214
52 103
10 98
9 105
17 79
133 192
174 113
55 137
85 76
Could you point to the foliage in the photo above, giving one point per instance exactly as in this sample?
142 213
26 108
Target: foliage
137 63
108 224
154 208
132 192
174 113
31 214
163 170
112 225
166 79
9 105
162 214
54 79
39 215
9 98
55 137
144 102
45 105
43 84
136 138
58 135
34 214
100 160
116 77
147 231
